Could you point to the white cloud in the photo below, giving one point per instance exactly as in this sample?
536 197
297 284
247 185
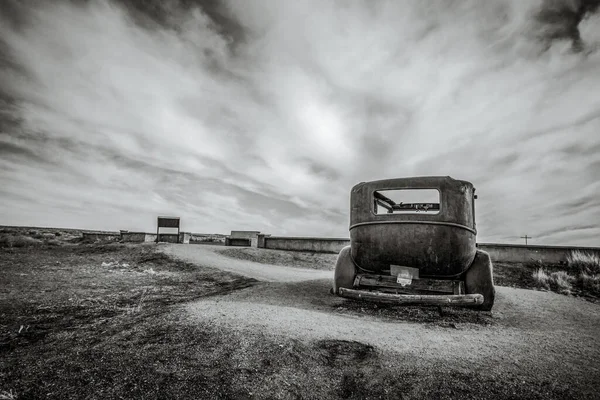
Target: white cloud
122 122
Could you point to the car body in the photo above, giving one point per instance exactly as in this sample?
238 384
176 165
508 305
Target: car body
432 244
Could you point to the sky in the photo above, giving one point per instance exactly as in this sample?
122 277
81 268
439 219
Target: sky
262 114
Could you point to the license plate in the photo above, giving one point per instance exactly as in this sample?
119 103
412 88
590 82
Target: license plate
404 275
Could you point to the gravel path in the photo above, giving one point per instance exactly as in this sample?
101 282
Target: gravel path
536 334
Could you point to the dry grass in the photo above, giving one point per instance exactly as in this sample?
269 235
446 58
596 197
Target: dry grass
582 277
584 262
8 395
88 321
590 283
559 282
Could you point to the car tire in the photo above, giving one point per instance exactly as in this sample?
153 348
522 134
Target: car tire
345 271
479 278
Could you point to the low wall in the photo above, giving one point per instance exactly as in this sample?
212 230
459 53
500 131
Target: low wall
526 253
238 242
138 237
320 245
141 237
184 237
243 234
497 251
101 237
168 238
206 238
214 242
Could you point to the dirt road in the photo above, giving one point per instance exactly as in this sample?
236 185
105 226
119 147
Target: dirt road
539 335
206 255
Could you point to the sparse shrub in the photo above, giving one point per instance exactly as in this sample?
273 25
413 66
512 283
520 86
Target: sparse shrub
589 283
25 241
57 234
52 242
541 278
18 241
560 281
5 241
584 262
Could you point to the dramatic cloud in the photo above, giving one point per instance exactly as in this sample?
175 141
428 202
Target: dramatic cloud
263 114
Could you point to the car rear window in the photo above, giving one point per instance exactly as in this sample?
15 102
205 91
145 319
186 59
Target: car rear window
406 201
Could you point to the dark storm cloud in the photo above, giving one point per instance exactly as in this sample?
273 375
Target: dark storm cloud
560 19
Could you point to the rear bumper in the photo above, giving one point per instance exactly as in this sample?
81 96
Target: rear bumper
393 298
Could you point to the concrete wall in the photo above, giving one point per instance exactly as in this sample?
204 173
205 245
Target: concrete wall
238 242
498 252
168 237
134 237
320 245
243 234
184 237
260 240
526 253
243 238
141 237
202 238
101 237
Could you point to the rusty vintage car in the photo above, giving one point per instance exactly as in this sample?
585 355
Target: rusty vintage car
413 241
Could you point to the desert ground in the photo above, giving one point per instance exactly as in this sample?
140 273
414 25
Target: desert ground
102 321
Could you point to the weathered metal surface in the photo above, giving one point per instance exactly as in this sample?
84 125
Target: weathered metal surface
459 287
419 285
440 245
443 300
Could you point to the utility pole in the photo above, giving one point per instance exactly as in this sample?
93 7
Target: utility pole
526 237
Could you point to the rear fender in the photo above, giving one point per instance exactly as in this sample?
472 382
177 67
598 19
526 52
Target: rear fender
345 271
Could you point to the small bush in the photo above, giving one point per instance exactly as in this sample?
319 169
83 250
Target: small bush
584 263
541 278
589 283
560 281
18 241
24 241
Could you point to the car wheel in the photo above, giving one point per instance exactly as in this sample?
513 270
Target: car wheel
479 278
345 271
